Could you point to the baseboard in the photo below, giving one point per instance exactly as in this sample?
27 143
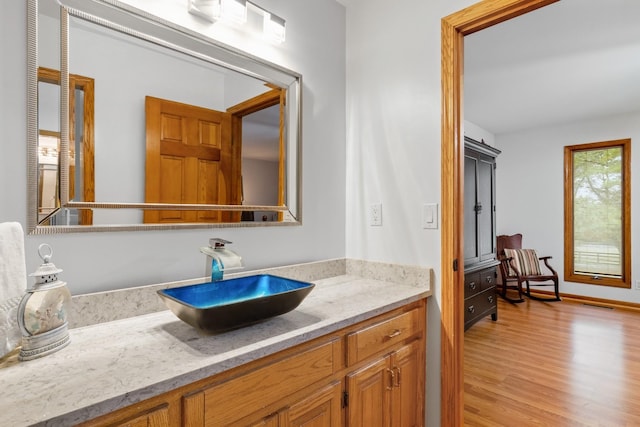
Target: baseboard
600 302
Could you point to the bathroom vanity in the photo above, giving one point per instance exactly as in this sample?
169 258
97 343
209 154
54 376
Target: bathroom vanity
374 369
353 352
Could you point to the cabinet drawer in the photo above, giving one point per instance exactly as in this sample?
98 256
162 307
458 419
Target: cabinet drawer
480 304
377 337
246 394
471 284
479 281
487 278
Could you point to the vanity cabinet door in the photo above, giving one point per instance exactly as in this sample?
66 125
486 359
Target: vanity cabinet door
320 409
158 417
145 414
231 402
273 420
369 398
407 397
390 391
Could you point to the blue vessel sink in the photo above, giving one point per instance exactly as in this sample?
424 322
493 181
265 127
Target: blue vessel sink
229 304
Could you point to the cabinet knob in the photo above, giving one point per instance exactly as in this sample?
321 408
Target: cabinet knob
489 279
471 309
472 285
490 299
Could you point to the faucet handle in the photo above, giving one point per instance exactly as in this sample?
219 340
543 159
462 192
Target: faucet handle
217 242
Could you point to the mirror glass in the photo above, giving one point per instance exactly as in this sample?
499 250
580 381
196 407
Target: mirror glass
161 127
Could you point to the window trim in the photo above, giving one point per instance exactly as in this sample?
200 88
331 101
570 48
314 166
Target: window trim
569 275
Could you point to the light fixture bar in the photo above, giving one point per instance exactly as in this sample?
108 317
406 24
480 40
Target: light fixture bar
235 11
206 9
273 27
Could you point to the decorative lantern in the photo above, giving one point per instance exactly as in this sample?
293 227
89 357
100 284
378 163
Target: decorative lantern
42 314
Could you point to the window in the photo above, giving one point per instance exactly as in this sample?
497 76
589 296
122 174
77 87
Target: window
597 230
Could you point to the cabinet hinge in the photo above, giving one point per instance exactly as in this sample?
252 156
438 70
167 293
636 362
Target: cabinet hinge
345 399
455 264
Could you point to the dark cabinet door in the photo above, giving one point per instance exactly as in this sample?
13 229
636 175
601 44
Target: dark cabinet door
479 202
471 248
486 209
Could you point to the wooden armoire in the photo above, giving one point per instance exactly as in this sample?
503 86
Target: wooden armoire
480 260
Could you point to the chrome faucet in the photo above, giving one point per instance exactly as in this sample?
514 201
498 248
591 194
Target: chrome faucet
220 259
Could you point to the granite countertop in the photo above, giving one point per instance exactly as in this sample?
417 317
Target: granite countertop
110 365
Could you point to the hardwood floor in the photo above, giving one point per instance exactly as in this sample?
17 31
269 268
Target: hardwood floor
553 364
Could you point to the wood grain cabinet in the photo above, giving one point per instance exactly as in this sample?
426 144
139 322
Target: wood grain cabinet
154 417
480 295
322 408
479 231
387 392
369 374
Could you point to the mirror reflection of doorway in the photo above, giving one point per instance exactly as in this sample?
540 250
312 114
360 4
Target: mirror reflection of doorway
81 148
262 145
261 162
198 155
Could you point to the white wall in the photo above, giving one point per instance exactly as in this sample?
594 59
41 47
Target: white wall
105 260
530 191
478 133
260 182
393 142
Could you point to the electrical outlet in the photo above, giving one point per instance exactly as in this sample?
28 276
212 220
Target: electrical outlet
375 214
638 284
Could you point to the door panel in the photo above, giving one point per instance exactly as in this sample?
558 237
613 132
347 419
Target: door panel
407 401
188 156
369 398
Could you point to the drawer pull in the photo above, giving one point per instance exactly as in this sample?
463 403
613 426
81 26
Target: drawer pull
472 285
392 378
490 299
394 334
471 309
489 279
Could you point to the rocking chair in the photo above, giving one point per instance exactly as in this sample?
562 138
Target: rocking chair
521 266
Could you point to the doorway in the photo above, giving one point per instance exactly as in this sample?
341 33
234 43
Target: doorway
454 27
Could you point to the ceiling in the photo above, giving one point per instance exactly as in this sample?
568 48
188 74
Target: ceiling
570 61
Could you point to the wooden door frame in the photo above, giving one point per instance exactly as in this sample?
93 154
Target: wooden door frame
276 96
454 27
87 84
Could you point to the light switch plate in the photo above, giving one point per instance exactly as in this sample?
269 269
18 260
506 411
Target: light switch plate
430 215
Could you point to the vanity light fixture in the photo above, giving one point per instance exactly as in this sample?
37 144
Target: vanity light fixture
205 9
235 11
273 27
213 10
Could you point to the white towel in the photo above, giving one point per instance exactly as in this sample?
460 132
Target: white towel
13 284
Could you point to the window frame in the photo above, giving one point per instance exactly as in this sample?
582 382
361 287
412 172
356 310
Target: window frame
625 280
